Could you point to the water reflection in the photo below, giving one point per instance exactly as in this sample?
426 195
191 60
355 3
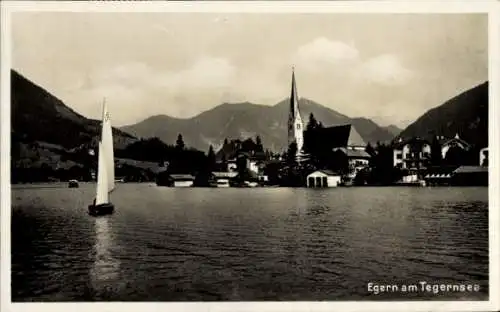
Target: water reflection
248 244
105 269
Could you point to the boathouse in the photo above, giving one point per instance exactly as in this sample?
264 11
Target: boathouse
223 179
180 180
323 178
470 176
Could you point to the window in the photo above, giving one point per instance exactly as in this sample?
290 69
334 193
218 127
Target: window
399 156
298 126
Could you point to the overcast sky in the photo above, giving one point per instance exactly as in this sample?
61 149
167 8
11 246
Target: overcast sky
388 67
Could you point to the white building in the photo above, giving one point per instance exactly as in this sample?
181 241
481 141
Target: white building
323 178
411 154
222 179
181 180
253 165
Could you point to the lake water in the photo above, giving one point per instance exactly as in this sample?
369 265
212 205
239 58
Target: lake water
172 244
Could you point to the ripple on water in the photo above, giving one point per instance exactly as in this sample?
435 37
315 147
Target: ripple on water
260 244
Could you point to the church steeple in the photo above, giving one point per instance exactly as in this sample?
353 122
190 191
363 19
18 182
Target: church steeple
294 100
295 125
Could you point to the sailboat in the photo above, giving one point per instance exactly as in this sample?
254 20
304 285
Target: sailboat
105 169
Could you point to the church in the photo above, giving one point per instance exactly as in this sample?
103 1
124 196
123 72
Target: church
340 145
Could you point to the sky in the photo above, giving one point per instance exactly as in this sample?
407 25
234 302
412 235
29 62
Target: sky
388 67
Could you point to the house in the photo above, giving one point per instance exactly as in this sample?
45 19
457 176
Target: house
175 180
253 164
223 179
412 154
356 159
470 176
230 153
483 157
455 142
323 178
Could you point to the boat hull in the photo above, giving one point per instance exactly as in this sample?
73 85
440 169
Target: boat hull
101 210
73 184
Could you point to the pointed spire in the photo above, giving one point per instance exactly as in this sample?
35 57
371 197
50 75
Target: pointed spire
294 101
456 136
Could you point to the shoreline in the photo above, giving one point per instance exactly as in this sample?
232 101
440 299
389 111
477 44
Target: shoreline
39 185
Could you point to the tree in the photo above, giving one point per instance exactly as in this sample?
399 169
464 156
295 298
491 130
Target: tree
291 153
313 123
225 142
310 143
242 169
211 158
436 156
370 150
258 143
179 144
248 146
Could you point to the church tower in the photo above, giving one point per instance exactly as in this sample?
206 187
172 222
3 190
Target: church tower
295 125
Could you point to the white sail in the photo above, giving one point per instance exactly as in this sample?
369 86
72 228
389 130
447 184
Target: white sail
102 196
107 143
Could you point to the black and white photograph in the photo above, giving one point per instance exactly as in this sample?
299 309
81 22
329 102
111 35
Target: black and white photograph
210 153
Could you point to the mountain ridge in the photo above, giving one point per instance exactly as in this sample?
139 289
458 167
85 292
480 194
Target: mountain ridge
37 115
245 119
465 114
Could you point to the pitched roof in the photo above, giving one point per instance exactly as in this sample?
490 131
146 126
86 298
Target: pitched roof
325 171
355 138
220 174
458 140
181 177
228 150
412 141
471 169
330 137
353 153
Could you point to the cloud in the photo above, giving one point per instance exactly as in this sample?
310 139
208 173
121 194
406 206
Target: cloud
322 51
142 88
337 59
205 73
384 69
